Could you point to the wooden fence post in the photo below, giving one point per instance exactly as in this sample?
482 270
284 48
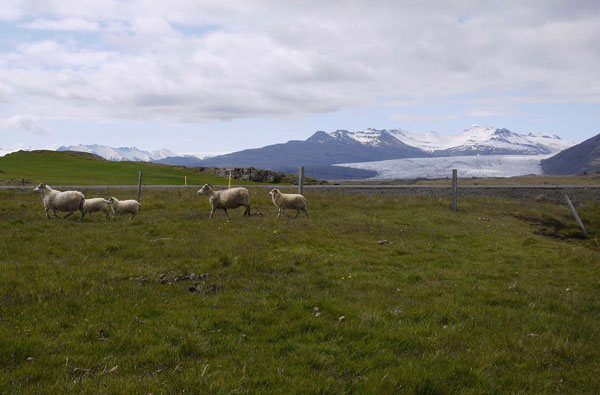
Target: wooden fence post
575 214
454 188
139 186
301 181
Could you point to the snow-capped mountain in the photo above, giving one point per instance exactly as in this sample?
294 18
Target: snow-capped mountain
475 140
121 153
327 149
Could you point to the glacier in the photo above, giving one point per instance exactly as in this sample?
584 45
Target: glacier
441 167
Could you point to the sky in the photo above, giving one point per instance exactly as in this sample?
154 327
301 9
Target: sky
199 76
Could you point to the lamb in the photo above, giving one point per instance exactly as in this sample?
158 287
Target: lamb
288 200
124 206
61 201
97 204
226 199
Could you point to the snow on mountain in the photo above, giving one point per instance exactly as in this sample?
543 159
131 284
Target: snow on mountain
441 167
121 153
472 141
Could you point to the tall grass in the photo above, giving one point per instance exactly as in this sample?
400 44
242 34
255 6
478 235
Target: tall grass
484 300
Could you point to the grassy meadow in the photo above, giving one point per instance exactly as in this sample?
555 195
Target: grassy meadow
501 296
78 168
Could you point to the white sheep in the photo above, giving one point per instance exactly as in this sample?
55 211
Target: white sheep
124 206
96 204
288 200
226 199
61 201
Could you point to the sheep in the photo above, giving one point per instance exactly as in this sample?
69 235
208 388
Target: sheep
97 204
61 201
124 206
226 199
288 200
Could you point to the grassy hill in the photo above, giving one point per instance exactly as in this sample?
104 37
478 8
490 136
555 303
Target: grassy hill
78 168
497 297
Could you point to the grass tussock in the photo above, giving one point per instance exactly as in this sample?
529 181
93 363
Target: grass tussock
474 301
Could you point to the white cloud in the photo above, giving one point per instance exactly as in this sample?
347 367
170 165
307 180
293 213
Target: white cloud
23 122
422 117
193 61
68 24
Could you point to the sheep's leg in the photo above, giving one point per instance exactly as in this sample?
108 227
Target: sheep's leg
106 214
280 212
132 215
247 212
305 212
227 215
54 212
297 213
46 209
212 212
82 214
68 215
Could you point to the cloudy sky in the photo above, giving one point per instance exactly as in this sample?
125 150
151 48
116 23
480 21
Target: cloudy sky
207 76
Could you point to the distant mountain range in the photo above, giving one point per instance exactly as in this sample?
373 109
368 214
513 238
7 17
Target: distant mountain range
322 150
327 149
121 153
583 157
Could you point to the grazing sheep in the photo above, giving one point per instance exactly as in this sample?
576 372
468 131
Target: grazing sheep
61 201
124 206
97 204
288 200
226 199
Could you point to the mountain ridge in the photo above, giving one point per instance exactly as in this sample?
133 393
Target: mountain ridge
583 157
120 153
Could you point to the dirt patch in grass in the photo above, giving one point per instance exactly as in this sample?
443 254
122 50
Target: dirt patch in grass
546 225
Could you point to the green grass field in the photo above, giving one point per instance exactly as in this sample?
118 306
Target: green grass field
494 298
75 168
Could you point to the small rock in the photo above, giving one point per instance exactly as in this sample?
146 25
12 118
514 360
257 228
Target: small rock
317 314
568 289
192 289
162 275
162 281
540 198
30 358
483 219
342 318
212 289
383 242
316 308
397 312
533 335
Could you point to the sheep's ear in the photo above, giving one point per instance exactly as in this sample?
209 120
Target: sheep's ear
210 185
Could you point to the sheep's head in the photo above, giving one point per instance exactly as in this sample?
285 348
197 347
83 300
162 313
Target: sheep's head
39 188
111 200
274 192
206 188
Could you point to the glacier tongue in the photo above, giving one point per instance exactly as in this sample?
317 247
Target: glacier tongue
468 166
